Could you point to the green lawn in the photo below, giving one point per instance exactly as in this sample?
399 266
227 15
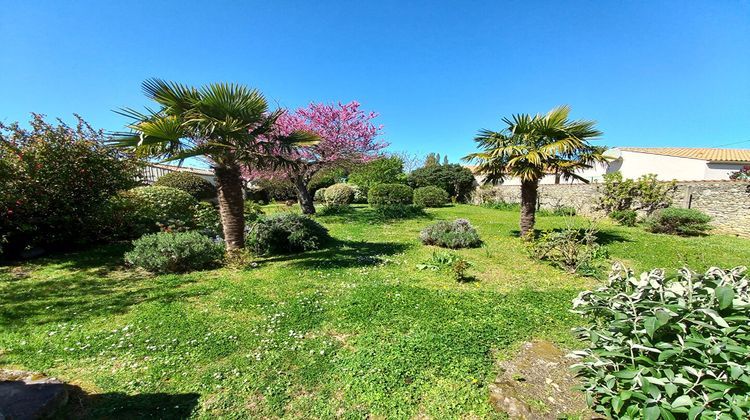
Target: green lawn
351 331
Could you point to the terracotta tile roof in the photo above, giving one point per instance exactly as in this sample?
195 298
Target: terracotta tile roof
713 155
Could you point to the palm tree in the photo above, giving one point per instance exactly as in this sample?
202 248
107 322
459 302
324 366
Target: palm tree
227 124
530 147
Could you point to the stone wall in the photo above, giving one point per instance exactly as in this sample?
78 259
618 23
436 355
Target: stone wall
727 202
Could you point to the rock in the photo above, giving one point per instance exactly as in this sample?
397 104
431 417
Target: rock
29 395
538 384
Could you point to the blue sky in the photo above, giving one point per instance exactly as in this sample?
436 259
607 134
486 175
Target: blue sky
664 73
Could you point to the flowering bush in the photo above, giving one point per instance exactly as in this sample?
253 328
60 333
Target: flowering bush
54 181
286 233
190 183
741 175
144 210
457 234
430 197
338 195
178 252
669 348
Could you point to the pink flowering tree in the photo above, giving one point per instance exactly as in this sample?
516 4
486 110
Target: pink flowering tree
347 136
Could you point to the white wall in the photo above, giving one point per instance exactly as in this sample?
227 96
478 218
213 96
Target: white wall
715 171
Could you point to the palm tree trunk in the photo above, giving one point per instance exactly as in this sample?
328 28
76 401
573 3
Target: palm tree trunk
528 208
303 195
231 206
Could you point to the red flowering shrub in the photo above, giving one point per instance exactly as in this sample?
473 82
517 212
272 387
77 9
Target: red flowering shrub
54 180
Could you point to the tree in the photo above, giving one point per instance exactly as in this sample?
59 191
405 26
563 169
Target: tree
432 159
530 147
225 123
347 137
457 180
384 170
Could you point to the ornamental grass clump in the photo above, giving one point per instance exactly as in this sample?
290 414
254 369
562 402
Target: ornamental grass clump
178 252
457 234
677 221
662 347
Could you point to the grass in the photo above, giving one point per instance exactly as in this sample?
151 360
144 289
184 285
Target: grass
350 331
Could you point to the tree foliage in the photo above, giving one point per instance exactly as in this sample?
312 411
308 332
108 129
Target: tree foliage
54 181
384 170
457 180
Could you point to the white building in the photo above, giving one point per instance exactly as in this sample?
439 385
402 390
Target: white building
668 163
154 171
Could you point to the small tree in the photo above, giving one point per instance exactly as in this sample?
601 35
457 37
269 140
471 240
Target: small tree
347 137
646 193
384 170
457 180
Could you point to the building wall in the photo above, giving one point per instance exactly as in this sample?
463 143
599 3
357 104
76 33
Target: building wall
153 172
666 168
727 202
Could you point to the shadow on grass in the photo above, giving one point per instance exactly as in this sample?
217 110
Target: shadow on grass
343 254
116 405
93 283
602 237
367 214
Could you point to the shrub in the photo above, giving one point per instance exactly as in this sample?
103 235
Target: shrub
457 180
386 170
741 175
448 260
457 234
646 193
54 183
669 347
624 217
325 178
190 183
383 195
430 197
207 220
677 221
339 195
360 197
571 249
152 207
252 212
320 195
502 205
275 189
179 252
286 233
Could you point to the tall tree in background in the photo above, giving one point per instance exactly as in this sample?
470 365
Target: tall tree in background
347 137
530 147
224 123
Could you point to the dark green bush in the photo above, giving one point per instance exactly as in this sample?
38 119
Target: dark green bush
54 183
339 195
457 234
142 210
207 220
383 195
190 183
179 252
430 197
665 347
624 217
253 211
457 180
325 178
677 221
386 170
286 233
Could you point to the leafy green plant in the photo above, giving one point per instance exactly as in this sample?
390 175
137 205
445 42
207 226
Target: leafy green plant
54 184
382 195
339 195
573 249
624 217
662 347
149 207
252 211
455 179
188 182
178 252
386 170
320 195
444 260
360 197
430 196
677 221
286 233
502 205
645 193
207 220
457 234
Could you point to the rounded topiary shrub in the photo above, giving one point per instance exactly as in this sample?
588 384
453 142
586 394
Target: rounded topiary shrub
457 234
286 233
430 196
190 183
677 221
142 210
178 252
360 197
382 195
338 195
320 195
